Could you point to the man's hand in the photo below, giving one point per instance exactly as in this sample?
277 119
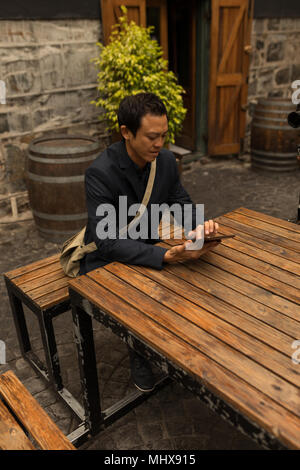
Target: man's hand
180 253
186 252
210 228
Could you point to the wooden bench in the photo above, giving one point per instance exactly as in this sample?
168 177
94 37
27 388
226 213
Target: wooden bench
19 409
43 287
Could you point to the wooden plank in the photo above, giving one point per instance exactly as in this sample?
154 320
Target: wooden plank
44 290
226 149
248 400
31 414
185 316
229 313
269 219
39 274
49 300
238 285
235 298
230 79
232 37
43 283
251 275
263 267
262 239
273 260
12 437
273 230
244 367
232 250
32 267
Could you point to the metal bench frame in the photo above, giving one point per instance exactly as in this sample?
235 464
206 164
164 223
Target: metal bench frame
51 373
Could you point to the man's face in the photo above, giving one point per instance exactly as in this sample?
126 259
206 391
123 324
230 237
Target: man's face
149 139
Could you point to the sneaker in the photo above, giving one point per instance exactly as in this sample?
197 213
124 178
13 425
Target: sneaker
141 372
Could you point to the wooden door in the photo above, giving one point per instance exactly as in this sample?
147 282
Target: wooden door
182 60
157 16
229 65
111 11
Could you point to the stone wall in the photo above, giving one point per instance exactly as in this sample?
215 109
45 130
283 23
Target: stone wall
50 82
275 61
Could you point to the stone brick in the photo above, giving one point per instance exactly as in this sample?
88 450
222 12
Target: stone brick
295 72
275 51
259 25
77 66
19 121
3 123
265 81
51 64
283 76
276 94
274 24
260 44
42 116
54 31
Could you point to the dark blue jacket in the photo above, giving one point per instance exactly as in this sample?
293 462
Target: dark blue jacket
113 174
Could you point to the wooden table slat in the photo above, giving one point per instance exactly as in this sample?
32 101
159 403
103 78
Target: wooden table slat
227 249
260 294
196 316
259 266
267 227
238 285
268 219
252 402
237 317
222 353
272 260
245 235
265 235
237 299
250 274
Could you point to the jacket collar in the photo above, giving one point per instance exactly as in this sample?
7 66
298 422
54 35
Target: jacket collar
130 169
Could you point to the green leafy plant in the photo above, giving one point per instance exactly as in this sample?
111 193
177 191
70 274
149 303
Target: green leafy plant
132 63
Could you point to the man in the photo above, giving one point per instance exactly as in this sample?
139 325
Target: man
123 170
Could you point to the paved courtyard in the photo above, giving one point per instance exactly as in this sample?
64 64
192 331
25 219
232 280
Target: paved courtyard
173 419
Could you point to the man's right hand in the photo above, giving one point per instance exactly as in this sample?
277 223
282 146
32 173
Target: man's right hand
179 253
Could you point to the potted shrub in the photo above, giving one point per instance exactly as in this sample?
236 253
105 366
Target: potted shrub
132 63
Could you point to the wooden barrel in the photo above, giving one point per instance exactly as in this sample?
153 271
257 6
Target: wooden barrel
55 181
273 142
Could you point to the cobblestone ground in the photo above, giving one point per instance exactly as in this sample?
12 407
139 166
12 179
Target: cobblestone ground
172 419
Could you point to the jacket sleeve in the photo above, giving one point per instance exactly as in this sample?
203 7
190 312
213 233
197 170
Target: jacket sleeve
112 248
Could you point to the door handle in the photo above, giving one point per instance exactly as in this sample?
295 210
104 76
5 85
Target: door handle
248 49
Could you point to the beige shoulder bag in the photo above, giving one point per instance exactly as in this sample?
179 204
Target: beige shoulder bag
74 249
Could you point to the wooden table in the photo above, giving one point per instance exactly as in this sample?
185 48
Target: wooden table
223 326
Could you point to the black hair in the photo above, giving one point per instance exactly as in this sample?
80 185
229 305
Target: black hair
134 107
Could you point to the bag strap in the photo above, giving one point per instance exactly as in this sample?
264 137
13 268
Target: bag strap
92 246
145 200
